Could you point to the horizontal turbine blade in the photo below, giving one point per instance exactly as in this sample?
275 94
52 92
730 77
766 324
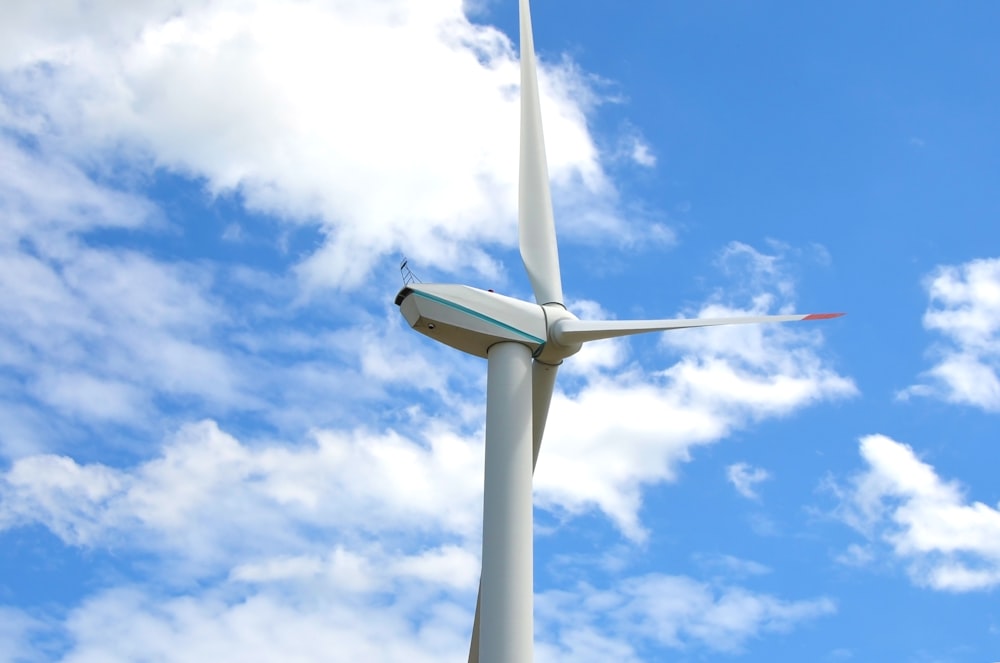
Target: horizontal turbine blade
569 332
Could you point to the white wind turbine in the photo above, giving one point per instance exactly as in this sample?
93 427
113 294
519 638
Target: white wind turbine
524 344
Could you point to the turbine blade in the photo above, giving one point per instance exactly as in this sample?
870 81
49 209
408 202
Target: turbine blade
536 224
474 645
543 382
568 332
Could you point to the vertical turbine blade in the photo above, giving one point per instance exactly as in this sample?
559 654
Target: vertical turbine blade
474 644
543 382
536 225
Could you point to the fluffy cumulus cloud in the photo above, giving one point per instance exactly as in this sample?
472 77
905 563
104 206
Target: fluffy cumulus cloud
362 547
317 552
129 624
965 310
311 111
206 487
948 541
307 112
309 623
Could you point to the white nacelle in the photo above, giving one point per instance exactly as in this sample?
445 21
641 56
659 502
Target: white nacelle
472 320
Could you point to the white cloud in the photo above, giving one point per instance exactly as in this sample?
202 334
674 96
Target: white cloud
93 335
602 445
731 565
744 477
757 270
642 154
95 331
311 111
89 396
45 193
448 566
367 570
311 622
130 624
856 555
242 98
16 631
199 497
633 147
947 541
965 309
287 567
676 612
370 541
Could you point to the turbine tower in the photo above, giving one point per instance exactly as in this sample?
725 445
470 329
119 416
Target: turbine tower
524 344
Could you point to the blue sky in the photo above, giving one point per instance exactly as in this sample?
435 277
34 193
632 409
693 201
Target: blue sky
220 441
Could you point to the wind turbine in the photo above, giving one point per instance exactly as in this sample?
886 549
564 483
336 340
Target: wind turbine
524 344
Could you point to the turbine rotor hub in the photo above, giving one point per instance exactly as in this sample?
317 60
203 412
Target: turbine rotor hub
553 352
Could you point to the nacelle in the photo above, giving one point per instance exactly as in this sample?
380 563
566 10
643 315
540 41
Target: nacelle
470 319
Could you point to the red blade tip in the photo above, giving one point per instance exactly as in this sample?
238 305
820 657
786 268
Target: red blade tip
822 316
